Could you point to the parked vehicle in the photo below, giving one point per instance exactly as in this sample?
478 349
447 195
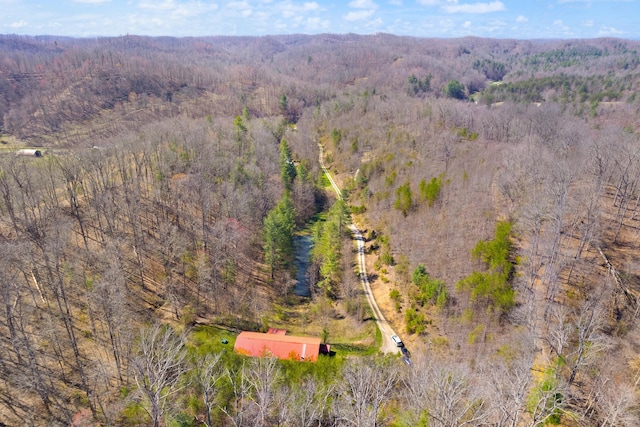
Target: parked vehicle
396 339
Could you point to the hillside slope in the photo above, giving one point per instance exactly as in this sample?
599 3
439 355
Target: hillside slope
497 181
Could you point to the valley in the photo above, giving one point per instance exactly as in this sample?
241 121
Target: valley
494 184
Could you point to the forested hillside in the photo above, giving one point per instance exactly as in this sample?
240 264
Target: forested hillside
496 181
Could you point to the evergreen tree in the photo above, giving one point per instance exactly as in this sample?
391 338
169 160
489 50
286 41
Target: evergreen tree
288 170
284 104
240 127
429 290
279 226
404 200
493 285
327 251
240 133
430 191
454 89
417 86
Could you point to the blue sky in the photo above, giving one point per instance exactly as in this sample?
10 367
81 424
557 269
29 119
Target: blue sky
523 19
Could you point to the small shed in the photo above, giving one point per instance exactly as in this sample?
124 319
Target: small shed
29 152
291 347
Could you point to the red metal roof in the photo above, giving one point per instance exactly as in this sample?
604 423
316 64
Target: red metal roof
281 346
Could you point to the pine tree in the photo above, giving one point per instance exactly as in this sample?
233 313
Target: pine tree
288 169
279 226
327 250
404 200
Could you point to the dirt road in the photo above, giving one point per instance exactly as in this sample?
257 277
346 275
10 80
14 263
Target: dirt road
388 346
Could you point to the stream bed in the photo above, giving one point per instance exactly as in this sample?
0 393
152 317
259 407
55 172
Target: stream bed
302 245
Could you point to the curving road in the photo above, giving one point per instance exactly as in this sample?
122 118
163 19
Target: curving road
388 346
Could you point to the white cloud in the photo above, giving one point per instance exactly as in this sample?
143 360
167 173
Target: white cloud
559 27
609 31
317 24
467 24
376 23
92 1
363 4
174 10
310 6
242 7
395 2
192 9
366 9
454 7
305 7
154 5
19 24
521 18
445 26
290 10
588 23
429 2
496 23
359 15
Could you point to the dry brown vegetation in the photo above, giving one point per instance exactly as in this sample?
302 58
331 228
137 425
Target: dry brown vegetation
163 221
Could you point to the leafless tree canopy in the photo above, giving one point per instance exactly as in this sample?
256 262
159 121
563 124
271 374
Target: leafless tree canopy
145 219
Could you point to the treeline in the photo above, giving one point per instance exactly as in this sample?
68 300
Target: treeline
563 88
49 85
195 381
582 54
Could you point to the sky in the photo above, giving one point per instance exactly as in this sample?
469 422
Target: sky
514 19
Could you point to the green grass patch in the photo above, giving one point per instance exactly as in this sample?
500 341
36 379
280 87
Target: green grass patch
209 339
310 226
357 210
326 368
134 414
378 337
344 349
324 181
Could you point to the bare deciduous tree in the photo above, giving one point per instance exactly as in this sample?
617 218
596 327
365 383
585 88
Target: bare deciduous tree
236 408
308 402
508 391
446 393
589 337
546 401
264 375
209 372
159 366
365 386
616 403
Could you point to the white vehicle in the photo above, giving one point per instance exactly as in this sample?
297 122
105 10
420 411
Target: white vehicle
396 339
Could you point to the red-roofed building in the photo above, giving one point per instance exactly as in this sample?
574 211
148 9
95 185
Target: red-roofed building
257 344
